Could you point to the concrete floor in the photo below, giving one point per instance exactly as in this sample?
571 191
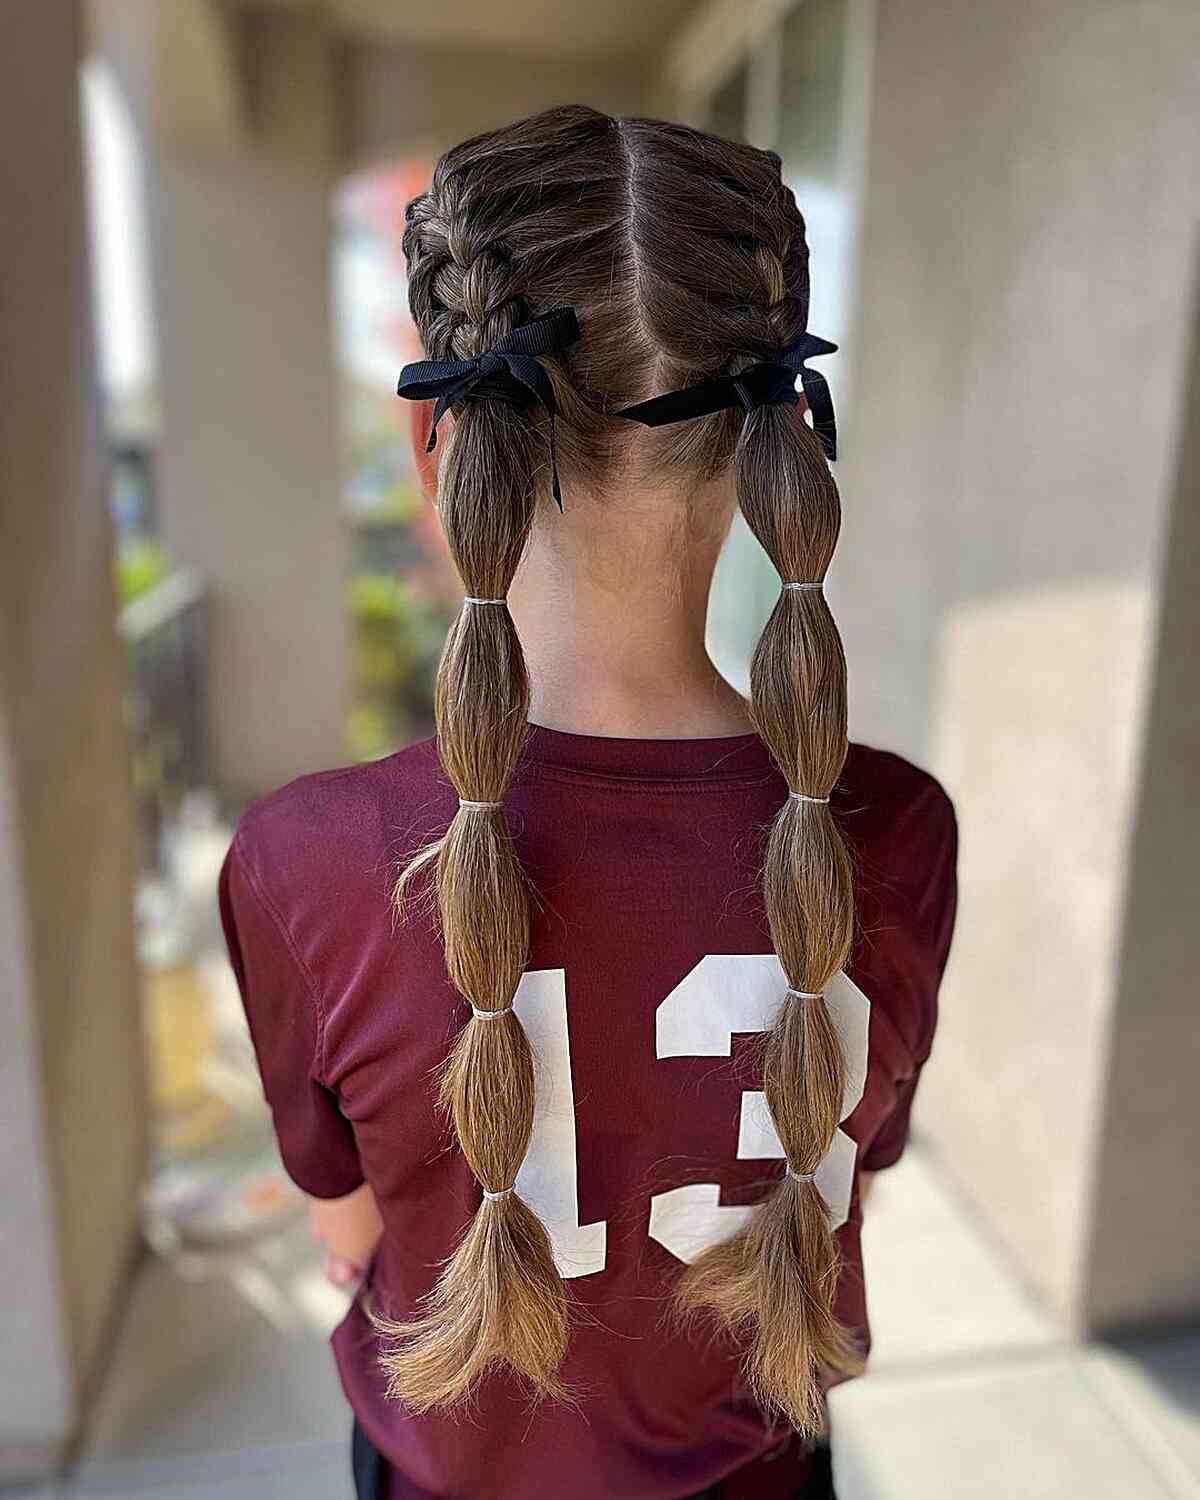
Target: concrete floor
974 1395
221 1386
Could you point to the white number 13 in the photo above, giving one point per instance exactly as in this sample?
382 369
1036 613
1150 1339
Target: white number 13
723 994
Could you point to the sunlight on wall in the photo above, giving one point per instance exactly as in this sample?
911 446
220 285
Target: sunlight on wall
1035 692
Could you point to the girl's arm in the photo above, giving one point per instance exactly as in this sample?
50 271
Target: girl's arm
348 1229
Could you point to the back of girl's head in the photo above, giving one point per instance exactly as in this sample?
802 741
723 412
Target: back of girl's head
684 258
680 252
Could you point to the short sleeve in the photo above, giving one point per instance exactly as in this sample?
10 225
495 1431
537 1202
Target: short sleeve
316 1141
923 876
888 1146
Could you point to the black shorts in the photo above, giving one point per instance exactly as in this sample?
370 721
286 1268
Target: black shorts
370 1473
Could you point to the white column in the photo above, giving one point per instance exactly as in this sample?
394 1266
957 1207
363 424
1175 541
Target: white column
72 1106
247 469
1018 594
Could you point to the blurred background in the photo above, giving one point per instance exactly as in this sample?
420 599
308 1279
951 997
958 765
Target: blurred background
216 574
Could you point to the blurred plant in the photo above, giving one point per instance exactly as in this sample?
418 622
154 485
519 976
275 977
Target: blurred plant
402 591
163 624
397 634
140 564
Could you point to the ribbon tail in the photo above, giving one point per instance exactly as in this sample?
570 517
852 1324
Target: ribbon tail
820 403
525 368
680 406
441 405
554 485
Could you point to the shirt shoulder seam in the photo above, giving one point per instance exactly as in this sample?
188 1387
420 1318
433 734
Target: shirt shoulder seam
265 900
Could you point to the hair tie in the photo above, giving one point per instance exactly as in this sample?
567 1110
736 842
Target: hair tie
770 382
801 1176
797 587
503 1193
806 994
471 599
470 806
489 1015
508 371
804 797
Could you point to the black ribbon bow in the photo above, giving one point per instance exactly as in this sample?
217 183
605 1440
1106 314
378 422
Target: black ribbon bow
508 371
768 383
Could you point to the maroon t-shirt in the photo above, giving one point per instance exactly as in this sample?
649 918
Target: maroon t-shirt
650 973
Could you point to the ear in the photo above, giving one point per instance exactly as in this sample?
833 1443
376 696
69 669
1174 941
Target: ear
420 424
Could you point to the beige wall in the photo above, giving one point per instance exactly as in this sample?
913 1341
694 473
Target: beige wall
1022 322
1147 1162
72 1141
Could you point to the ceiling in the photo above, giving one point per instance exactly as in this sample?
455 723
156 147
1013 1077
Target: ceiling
603 31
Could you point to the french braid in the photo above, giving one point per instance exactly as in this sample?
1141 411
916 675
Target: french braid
499 1299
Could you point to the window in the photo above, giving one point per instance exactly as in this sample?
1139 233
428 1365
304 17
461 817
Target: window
812 140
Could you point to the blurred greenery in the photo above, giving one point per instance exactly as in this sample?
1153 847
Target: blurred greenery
400 502
158 762
396 637
380 482
140 564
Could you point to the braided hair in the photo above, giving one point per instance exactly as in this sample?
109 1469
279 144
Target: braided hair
684 257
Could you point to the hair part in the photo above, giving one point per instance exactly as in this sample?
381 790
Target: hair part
684 257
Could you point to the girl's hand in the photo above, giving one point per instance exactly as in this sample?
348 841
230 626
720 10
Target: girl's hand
348 1229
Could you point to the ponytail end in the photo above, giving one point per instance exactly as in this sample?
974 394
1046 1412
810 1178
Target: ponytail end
498 1302
770 1288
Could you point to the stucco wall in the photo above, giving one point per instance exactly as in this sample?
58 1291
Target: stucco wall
1022 330
1148 1153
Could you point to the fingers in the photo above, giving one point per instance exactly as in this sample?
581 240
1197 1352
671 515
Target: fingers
341 1272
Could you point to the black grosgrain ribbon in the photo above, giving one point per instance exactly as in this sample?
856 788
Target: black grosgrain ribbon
508 371
769 383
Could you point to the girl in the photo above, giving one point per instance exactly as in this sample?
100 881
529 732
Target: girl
665 960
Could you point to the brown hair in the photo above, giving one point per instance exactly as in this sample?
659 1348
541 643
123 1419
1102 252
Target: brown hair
684 257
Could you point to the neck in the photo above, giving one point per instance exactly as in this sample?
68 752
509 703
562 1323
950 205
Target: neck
610 603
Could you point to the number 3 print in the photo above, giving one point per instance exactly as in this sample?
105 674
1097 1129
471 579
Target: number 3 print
723 994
